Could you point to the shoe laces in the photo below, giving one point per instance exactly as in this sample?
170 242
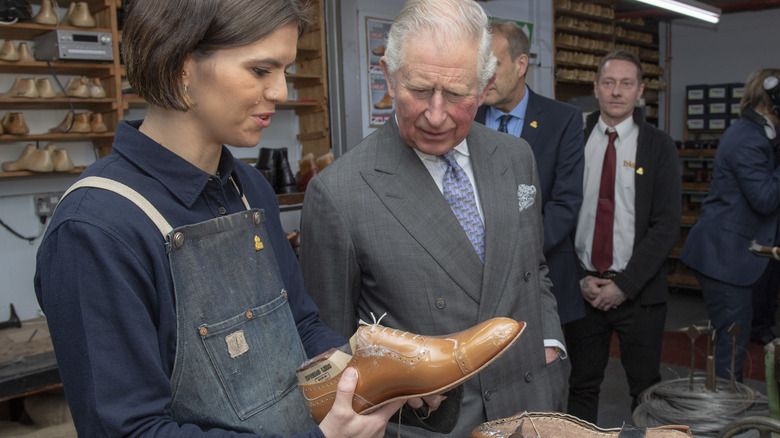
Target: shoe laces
375 324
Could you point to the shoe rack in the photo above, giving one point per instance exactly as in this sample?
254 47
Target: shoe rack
585 31
107 105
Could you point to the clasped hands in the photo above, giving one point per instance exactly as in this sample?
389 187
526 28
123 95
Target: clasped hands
601 293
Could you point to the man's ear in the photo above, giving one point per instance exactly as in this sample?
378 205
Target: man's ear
522 65
390 83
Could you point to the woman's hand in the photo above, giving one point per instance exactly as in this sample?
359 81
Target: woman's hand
343 421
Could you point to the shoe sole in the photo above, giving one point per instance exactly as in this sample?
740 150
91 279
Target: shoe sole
451 385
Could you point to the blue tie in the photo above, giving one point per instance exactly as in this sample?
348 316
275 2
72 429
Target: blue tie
504 121
460 196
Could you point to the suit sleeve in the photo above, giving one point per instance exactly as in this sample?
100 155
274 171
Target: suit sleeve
759 185
663 225
328 260
561 210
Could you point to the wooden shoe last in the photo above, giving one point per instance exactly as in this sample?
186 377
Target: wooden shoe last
396 365
555 424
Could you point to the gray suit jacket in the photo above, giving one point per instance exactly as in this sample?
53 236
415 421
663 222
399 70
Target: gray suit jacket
378 236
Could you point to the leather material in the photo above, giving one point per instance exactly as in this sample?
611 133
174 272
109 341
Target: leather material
558 425
393 364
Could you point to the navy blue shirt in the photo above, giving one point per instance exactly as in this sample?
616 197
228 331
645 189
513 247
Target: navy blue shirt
103 279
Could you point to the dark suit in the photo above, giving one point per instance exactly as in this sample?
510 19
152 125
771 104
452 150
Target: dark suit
742 205
378 236
554 131
639 321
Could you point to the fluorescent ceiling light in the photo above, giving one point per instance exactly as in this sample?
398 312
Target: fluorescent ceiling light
691 8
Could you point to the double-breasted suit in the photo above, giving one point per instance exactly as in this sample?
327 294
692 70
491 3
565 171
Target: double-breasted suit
378 237
554 131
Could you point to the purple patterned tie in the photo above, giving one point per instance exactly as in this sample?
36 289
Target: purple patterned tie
460 195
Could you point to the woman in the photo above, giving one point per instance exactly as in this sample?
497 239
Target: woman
743 204
173 250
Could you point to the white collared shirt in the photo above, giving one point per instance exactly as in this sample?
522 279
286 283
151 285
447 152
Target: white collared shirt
623 229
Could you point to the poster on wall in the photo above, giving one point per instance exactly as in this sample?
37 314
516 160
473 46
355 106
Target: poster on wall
380 104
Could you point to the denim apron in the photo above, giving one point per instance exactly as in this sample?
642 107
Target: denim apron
237 345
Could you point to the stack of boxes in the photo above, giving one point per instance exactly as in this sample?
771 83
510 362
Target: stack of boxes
712 107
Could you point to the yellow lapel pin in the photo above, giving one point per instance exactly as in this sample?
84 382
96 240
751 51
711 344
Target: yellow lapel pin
640 171
258 244
534 124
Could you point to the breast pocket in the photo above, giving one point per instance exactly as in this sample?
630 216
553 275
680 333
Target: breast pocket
254 353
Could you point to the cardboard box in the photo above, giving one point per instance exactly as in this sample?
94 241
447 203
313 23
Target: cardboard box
696 109
696 123
718 108
696 93
718 92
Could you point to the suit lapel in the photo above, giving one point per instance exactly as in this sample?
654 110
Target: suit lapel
498 196
405 187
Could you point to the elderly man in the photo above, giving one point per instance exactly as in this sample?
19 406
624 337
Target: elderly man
436 221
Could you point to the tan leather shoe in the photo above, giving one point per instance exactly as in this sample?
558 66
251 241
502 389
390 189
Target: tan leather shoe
65 125
46 14
25 55
396 365
13 123
97 124
9 52
385 103
555 424
81 16
19 164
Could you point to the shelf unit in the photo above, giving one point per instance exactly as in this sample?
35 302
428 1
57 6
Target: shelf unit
309 81
586 30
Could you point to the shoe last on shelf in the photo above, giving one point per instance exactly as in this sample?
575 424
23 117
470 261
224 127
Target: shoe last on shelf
64 126
46 14
45 88
97 124
81 123
96 89
60 158
77 87
13 123
9 52
307 168
81 16
396 365
23 87
19 164
66 19
324 160
25 55
32 159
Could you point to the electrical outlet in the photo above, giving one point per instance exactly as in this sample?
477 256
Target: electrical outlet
45 204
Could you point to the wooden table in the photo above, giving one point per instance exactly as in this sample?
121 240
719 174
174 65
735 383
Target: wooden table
27 362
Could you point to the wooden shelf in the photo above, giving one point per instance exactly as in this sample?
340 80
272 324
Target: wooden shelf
27 174
8 138
697 153
91 69
97 105
568 13
25 31
695 187
682 280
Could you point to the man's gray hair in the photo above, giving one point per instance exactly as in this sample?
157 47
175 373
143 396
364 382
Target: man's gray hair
445 20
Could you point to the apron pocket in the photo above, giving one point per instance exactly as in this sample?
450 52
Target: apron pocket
255 355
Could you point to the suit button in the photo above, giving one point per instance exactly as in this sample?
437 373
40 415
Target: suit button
527 276
528 377
440 303
488 394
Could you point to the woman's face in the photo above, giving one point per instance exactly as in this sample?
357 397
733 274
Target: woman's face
235 90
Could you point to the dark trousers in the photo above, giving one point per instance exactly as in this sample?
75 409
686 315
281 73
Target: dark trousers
640 331
727 304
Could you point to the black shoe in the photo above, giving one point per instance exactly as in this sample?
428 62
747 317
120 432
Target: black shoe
285 179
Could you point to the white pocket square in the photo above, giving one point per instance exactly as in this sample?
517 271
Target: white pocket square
525 196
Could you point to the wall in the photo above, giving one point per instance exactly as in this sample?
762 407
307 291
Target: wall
17 256
350 103
726 53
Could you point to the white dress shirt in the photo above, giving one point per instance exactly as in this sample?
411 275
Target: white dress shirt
623 229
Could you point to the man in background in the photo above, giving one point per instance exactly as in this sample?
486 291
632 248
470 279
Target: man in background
628 223
554 131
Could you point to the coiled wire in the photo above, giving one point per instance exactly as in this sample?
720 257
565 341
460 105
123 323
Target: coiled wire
705 412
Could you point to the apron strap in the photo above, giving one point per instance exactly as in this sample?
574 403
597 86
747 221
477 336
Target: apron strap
123 190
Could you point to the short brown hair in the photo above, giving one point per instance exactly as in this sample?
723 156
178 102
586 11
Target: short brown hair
754 96
517 39
622 55
159 34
